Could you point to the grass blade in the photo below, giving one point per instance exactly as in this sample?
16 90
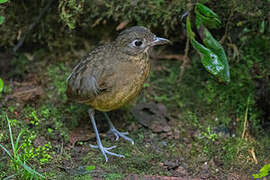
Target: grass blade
6 151
15 155
18 139
10 134
30 170
9 177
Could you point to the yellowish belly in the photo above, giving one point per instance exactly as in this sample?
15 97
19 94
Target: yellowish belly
128 87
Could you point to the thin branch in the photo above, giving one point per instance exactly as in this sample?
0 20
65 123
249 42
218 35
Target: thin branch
32 26
190 7
185 61
227 27
245 120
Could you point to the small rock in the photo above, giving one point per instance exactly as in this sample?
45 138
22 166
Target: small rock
166 128
172 164
164 143
181 171
40 141
205 166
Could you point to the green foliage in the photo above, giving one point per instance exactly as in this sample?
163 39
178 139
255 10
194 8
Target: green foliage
264 171
29 150
114 176
3 1
90 168
1 85
17 162
213 56
70 10
43 117
101 17
42 153
58 74
151 13
206 16
35 120
209 134
2 18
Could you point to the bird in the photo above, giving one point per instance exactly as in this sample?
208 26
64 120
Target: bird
111 76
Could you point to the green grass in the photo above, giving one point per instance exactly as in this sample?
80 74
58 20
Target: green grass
17 162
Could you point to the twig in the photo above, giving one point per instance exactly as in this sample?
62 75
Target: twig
32 26
245 120
185 61
190 7
227 27
252 152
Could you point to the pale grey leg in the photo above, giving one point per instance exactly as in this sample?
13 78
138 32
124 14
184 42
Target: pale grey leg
116 132
103 150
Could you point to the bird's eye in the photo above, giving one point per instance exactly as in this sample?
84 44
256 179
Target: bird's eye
137 43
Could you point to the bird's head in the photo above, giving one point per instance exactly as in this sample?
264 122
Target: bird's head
137 40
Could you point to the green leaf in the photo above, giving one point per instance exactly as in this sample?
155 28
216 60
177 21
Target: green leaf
6 151
3 1
18 139
212 54
11 136
216 48
2 18
209 59
190 33
262 27
1 85
90 168
30 170
264 171
206 16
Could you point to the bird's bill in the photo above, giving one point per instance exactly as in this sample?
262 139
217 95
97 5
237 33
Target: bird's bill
159 41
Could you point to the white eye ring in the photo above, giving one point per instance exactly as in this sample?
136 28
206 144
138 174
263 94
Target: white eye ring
138 43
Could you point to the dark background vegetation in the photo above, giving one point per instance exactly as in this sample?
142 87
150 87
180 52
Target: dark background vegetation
216 130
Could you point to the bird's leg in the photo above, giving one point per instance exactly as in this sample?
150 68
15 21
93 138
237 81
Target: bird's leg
103 150
116 132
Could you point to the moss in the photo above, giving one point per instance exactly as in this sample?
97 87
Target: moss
114 176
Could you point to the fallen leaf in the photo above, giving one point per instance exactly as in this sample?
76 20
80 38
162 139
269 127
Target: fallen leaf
122 25
252 152
27 93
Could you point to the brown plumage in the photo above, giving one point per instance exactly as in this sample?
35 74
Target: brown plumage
113 74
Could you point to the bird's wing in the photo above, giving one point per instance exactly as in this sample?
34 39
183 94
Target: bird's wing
87 79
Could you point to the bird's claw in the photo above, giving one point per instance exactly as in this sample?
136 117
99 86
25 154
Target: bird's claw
121 134
105 151
106 148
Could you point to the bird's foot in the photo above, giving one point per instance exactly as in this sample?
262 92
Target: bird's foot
106 151
121 134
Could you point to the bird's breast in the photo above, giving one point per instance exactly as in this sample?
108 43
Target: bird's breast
128 81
